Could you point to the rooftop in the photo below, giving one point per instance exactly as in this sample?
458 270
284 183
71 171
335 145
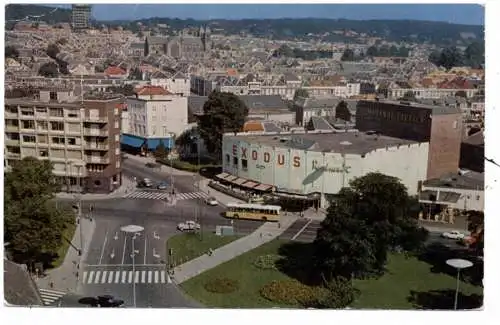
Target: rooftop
331 141
436 110
468 180
19 288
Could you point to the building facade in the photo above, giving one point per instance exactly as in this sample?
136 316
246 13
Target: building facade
80 16
440 126
80 138
178 86
320 163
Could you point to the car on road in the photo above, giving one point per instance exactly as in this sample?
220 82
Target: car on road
109 301
211 201
152 165
456 235
189 225
146 182
162 186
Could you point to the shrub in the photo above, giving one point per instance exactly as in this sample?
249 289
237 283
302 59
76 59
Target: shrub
290 292
221 285
267 262
338 293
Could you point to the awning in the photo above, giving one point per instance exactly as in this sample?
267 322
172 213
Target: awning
231 178
263 187
239 181
249 184
222 175
153 143
132 141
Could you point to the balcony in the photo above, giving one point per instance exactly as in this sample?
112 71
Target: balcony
13 155
93 146
12 128
95 119
14 115
12 142
96 160
95 132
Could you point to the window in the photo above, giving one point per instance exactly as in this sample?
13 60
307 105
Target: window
117 137
97 182
117 151
57 140
53 95
41 109
57 112
235 161
228 158
43 153
29 124
244 164
72 141
117 111
117 124
57 126
29 138
73 115
117 165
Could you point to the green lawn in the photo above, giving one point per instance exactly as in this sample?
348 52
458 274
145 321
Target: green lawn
68 233
390 291
188 246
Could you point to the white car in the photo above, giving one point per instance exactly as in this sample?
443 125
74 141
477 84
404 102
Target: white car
211 201
453 235
188 226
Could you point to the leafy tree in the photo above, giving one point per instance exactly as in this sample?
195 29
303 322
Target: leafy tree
49 70
365 222
11 52
348 55
461 93
301 92
475 224
161 151
448 58
52 50
223 112
33 224
474 54
372 51
126 90
342 111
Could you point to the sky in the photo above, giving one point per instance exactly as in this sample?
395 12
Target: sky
452 13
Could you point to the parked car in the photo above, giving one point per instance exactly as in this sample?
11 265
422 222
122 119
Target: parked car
162 186
109 301
189 225
146 182
211 201
456 235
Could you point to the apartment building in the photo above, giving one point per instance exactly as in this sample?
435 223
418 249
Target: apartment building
154 115
80 16
178 84
80 136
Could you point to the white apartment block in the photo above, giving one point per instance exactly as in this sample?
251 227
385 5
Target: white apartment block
177 86
430 93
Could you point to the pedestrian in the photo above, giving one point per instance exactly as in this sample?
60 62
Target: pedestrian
279 225
51 284
261 235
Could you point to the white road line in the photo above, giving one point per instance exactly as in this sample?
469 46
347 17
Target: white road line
130 276
97 276
84 276
162 276
104 274
103 246
136 277
168 279
124 249
143 277
91 276
156 276
150 276
124 276
145 247
117 276
110 278
301 230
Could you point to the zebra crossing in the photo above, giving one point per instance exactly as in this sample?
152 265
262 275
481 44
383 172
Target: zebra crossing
50 296
162 195
126 277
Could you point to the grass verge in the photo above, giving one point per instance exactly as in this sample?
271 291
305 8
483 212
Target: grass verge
188 246
406 284
68 233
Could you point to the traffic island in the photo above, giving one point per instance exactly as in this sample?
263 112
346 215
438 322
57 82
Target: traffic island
188 246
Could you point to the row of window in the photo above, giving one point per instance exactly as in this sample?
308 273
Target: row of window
244 162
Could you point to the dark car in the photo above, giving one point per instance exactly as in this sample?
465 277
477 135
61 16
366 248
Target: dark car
146 182
108 301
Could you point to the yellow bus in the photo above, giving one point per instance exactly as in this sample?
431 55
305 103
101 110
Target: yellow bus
253 211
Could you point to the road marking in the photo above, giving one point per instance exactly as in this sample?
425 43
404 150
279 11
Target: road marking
110 278
130 275
117 276
50 296
156 277
97 276
104 274
301 230
122 265
91 276
84 276
136 280
103 246
150 276
168 279
145 247
162 276
124 249
124 276
143 277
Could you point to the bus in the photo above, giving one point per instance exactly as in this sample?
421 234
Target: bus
253 211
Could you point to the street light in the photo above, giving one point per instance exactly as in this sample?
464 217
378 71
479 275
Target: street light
135 230
458 264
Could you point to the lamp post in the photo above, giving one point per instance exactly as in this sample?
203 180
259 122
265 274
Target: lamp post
458 264
135 230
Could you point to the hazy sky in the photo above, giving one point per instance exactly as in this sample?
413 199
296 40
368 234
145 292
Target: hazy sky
454 13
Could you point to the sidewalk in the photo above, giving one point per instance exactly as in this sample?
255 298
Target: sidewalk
222 198
65 277
266 233
128 185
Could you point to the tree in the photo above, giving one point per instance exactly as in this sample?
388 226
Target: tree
342 111
52 50
448 58
475 224
348 55
33 224
461 93
372 51
223 112
366 221
49 70
11 52
474 54
161 151
301 92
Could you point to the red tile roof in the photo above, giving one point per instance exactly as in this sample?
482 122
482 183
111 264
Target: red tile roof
114 71
457 83
151 90
252 126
